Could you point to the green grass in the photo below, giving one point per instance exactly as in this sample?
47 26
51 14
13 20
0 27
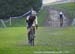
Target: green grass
67 8
42 17
20 22
14 40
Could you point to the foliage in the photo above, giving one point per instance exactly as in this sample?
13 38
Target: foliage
17 7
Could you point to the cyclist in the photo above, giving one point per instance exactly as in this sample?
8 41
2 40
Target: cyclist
31 21
61 18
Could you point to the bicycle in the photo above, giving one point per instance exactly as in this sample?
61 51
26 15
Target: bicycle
31 36
61 22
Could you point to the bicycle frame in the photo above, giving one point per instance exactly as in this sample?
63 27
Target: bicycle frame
32 34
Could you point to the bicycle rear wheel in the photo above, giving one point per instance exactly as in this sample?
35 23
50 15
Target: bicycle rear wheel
32 36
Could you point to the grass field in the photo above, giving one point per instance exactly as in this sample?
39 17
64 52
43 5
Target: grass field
14 40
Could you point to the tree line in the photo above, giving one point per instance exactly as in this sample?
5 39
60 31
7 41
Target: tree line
10 8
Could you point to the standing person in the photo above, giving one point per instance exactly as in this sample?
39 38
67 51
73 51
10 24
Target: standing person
61 18
31 21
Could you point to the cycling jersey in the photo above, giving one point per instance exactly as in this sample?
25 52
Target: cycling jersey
31 21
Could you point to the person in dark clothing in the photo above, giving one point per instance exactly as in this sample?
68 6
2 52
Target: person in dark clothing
61 19
31 21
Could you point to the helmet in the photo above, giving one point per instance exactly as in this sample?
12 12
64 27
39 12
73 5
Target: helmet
33 12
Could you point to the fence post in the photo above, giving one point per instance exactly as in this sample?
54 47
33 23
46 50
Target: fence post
4 25
10 21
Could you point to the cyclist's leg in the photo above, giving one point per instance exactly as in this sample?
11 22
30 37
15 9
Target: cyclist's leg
32 35
28 35
34 30
61 22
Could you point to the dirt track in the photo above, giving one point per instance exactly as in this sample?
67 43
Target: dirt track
53 19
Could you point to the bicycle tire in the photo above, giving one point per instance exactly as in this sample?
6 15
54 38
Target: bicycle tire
32 37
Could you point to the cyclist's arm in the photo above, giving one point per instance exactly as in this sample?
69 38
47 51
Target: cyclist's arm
27 21
36 22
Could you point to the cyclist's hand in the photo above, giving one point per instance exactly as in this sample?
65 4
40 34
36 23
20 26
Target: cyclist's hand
36 26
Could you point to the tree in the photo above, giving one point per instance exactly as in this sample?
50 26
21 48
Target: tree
10 8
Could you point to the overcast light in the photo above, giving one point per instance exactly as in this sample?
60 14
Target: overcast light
48 1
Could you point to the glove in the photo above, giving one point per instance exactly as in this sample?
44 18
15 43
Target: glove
36 26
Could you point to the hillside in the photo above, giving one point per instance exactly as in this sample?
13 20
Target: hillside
67 8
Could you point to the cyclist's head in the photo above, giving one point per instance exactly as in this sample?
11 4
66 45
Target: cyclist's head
33 13
61 12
